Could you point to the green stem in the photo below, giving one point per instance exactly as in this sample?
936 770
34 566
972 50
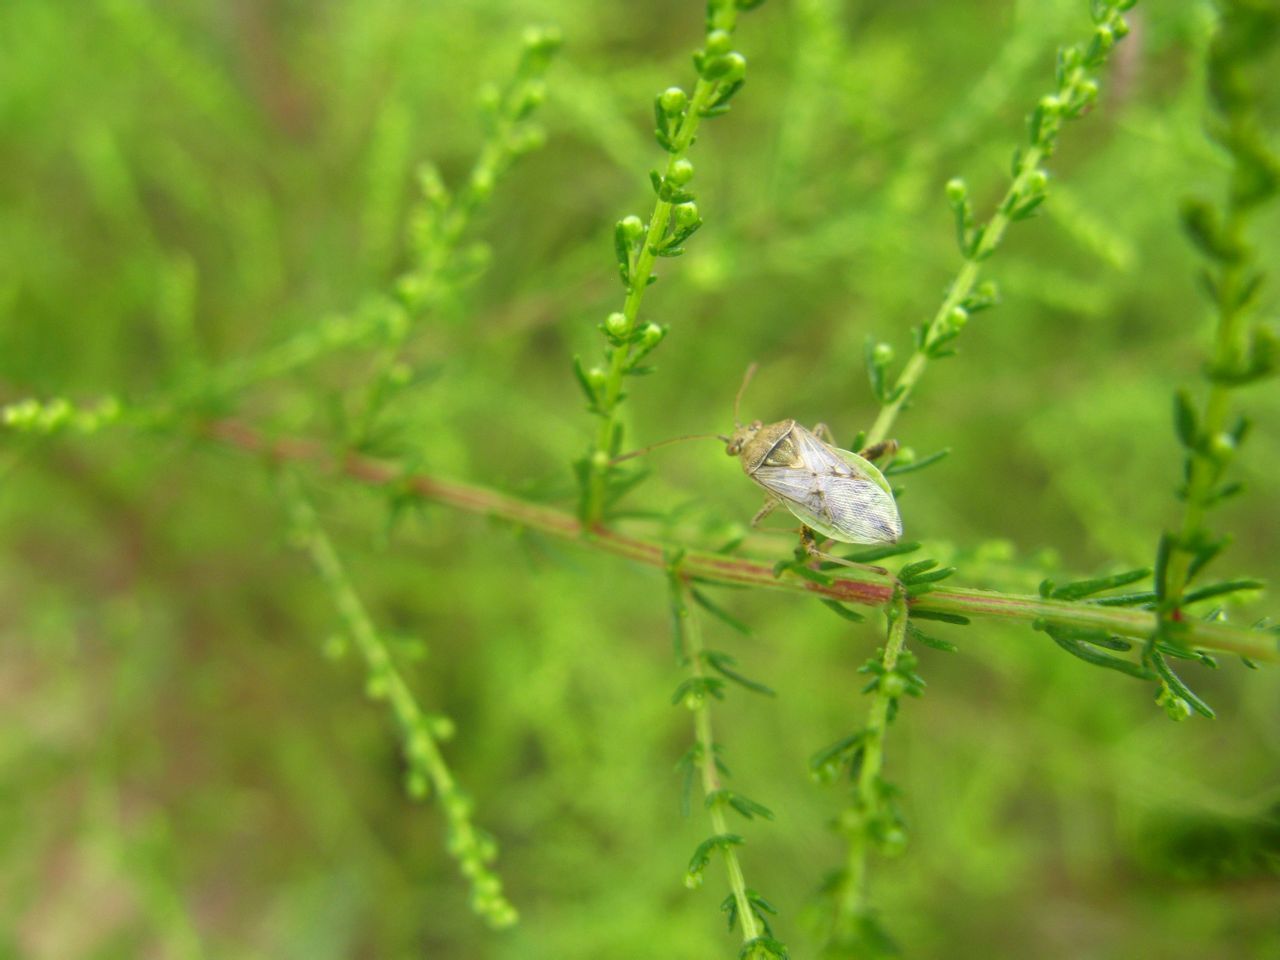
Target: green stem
1206 465
422 750
868 590
855 902
961 287
724 17
707 771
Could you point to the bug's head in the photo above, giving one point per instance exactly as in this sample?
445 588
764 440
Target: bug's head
741 437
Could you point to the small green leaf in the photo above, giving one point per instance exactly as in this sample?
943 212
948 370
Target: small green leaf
719 612
1084 588
1092 656
1221 589
919 636
872 554
1186 420
915 568
895 469
723 664
932 576
1174 683
941 616
842 611
580 374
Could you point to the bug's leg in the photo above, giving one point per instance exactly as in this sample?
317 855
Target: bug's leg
823 432
885 448
770 505
811 547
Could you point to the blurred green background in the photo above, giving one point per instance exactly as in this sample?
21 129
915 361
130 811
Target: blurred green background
183 773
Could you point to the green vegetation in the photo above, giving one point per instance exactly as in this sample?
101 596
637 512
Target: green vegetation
334 625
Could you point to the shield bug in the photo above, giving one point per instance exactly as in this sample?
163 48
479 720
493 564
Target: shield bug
833 492
837 493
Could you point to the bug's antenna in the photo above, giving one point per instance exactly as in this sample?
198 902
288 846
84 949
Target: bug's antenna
663 443
746 379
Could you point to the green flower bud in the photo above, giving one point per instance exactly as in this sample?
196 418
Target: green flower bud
673 101
957 318
542 40
441 727
1175 707
375 687
686 214
432 184
851 821
892 685
417 785
596 377
503 915
487 852
632 227
826 773
616 324
418 747
489 98
535 95
882 354
893 842
727 69
1037 180
681 172
527 139
1222 446
653 335
718 42
460 805
482 182
599 460
957 191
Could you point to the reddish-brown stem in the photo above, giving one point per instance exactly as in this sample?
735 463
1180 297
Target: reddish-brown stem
721 568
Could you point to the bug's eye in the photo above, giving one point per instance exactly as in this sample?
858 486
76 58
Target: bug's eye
756 424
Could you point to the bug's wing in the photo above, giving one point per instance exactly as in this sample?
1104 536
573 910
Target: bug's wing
832 496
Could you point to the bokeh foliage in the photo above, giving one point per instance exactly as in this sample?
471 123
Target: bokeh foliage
186 773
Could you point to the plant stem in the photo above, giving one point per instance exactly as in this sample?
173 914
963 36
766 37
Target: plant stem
709 775
1204 470
1074 94
855 902
722 16
417 730
957 293
726 569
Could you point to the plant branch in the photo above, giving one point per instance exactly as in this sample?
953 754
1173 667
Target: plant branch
419 731
1243 351
673 220
1073 96
870 824
721 568
704 754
